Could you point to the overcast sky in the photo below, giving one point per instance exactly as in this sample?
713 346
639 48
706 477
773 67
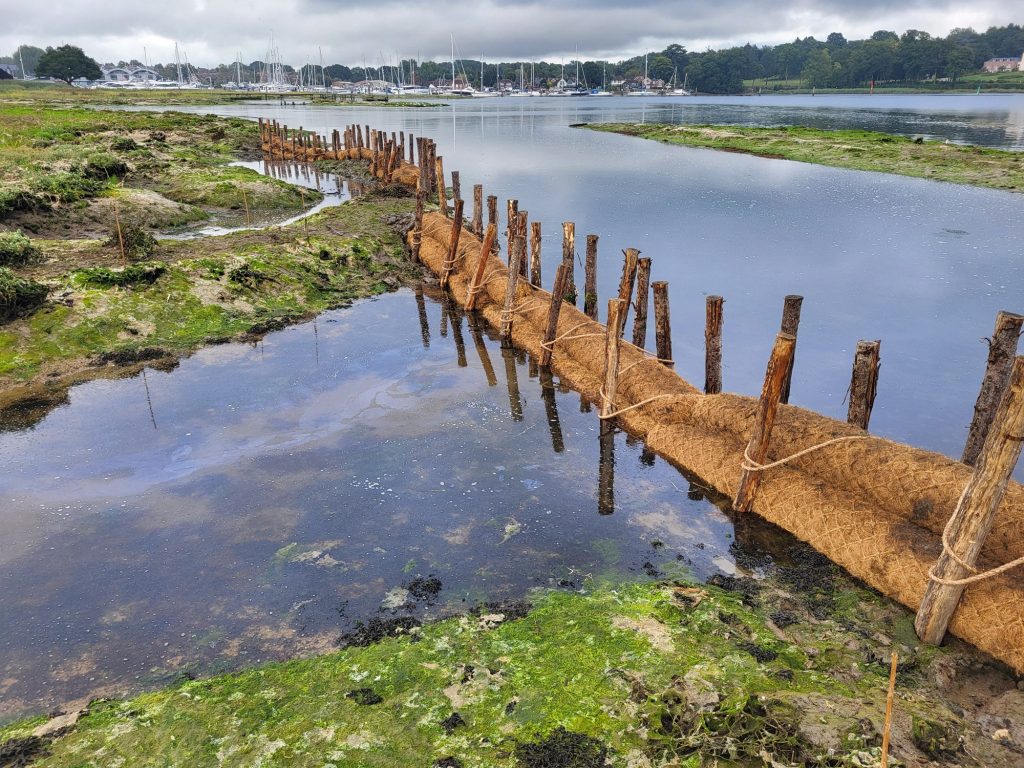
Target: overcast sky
212 31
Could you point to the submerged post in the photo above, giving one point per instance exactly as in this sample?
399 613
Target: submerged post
478 209
1001 350
863 383
476 284
453 245
590 279
492 218
629 264
767 407
442 191
521 221
511 218
974 514
662 326
790 324
569 260
535 275
713 346
512 283
643 280
553 310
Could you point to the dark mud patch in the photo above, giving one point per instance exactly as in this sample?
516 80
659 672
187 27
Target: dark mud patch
512 610
375 630
748 589
448 762
424 588
23 751
562 749
29 411
130 356
762 654
364 697
453 721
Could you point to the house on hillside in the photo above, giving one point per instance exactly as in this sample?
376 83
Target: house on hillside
1009 64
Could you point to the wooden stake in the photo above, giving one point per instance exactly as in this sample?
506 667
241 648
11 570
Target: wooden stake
1001 349
972 519
863 383
629 265
417 227
442 190
492 218
569 260
511 214
662 325
475 285
713 345
553 309
412 150
590 279
456 186
889 696
511 284
453 245
616 321
478 209
521 230
790 325
643 281
535 241
768 405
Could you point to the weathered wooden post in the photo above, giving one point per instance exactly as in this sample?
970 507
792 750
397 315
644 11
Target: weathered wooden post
453 246
432 167
412 146
442 190
616 323
643 281
553 310
535 242
863 383
511 214
456 186
974 514
713 345
417 227
629 265
662 324
590 279
478 209
790 324
512 282
1001 350
492 218
764 420
569 259
476 284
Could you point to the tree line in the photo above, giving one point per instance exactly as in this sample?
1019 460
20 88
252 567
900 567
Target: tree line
913 57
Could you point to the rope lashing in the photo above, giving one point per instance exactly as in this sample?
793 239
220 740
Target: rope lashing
749 465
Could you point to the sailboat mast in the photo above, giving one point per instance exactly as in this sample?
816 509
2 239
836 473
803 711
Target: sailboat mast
453 62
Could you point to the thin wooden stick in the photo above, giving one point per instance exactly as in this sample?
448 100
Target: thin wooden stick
890 695
616 321
492 218
629 263
417 227
569 259
972 519
478 209
767 407
511 284
442 191
1001 349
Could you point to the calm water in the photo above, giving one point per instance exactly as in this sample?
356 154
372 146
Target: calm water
258 500
923 266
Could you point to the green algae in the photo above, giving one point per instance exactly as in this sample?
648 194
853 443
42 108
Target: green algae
601 666
855 149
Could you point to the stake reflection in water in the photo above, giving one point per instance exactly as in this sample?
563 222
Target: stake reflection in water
547 392
606 469
515 402
421 307
481 349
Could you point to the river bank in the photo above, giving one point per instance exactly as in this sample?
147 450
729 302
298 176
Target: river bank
857 150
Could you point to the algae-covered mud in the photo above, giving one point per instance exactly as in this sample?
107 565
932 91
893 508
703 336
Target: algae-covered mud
107 217
859 150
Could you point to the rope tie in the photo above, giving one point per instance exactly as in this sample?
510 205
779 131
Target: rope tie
749 465
550 345
506 315
947 549
613 414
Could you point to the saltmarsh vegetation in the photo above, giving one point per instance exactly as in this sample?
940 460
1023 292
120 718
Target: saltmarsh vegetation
860 150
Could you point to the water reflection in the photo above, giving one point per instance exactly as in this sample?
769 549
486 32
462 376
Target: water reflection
289 492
